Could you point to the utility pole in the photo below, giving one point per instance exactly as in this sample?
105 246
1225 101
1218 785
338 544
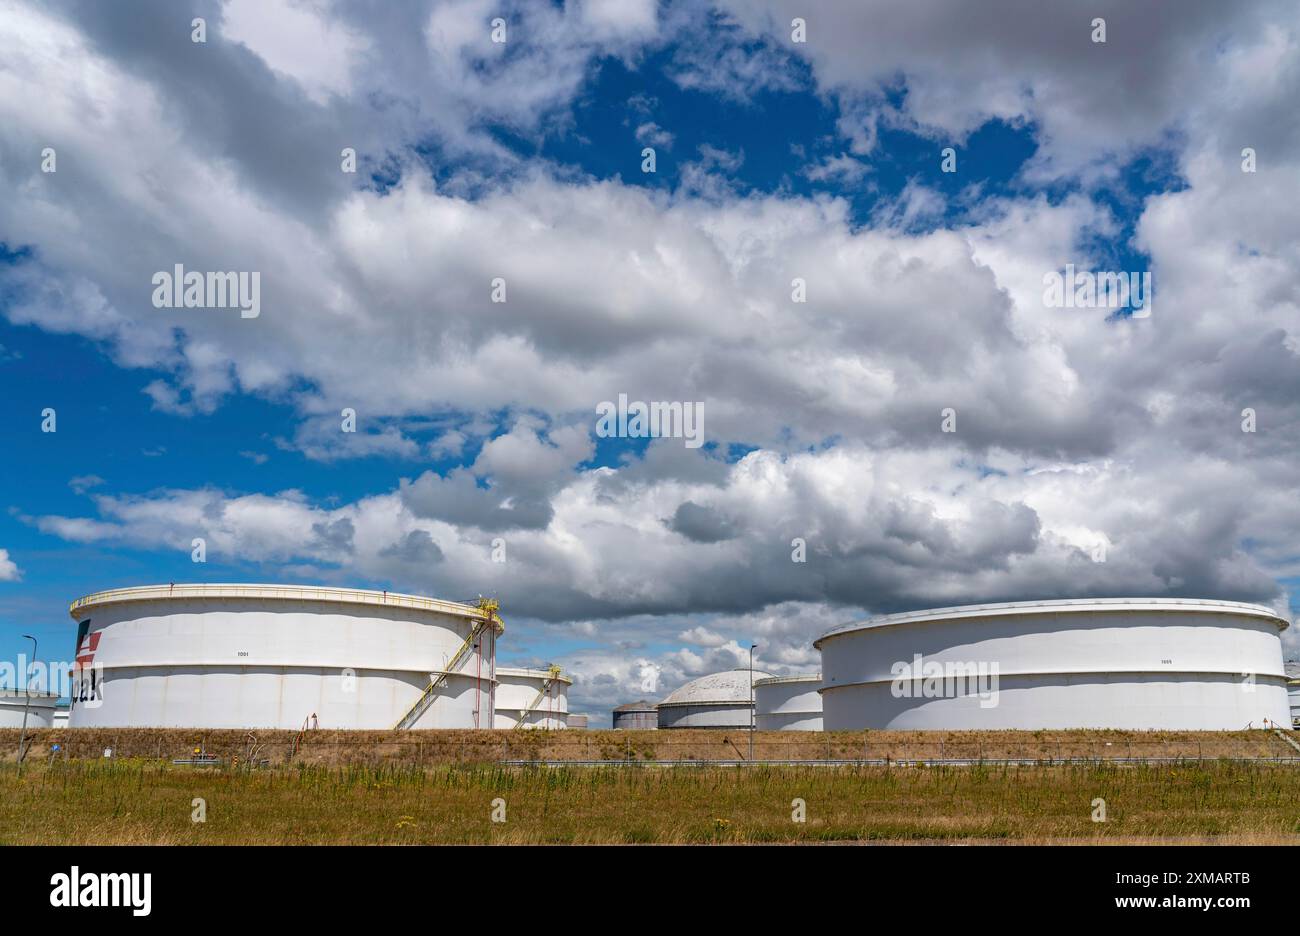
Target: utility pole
27 704
752 706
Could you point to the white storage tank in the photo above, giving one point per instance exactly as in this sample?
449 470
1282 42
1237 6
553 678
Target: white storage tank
719 700
38 706
788 703
1123 663
636 716
280 656
578 721
532 698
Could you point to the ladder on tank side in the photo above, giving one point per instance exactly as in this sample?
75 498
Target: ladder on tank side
436 681
553 675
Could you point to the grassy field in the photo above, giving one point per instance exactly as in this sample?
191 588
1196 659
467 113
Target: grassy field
432 748
123 801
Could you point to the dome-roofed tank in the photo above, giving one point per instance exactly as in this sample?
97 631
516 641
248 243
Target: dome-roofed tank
719 700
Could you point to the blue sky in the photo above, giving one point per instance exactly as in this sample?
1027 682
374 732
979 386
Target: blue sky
774 159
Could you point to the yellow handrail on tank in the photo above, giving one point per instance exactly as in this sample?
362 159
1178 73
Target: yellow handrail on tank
489 607
553 674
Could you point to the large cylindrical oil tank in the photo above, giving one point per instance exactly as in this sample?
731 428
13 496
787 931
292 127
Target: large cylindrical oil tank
788 703
279 656
719 700
636 716
532 698
1123 663
38 706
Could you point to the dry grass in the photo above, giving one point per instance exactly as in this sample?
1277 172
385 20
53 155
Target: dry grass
135 801
427 748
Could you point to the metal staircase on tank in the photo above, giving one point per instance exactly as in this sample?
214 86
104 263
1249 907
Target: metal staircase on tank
554 674
437 681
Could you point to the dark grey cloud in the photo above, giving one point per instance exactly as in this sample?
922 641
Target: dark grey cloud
334 536
417 549
225 100
1018 60
701 524
458 498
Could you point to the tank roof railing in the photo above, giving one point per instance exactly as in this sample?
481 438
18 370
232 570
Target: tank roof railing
355 596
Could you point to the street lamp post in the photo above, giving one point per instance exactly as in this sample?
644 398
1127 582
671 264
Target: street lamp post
751 702
27 703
